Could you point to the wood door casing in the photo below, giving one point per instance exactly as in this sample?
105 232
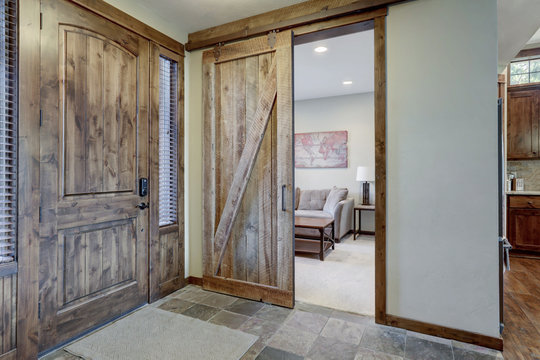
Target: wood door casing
257 260
94 145
167 242
523 123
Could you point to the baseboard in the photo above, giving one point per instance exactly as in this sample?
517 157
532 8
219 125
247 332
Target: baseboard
445 332
526 254
194 280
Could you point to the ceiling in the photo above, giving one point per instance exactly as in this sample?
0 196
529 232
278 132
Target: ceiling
349 57
535 38
209 12
518 21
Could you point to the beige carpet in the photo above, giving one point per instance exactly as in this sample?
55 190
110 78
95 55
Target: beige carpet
152 333
345 280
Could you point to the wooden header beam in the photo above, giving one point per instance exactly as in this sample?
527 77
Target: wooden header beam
308 12
528 52
127 21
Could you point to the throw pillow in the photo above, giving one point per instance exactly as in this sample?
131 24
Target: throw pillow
336 195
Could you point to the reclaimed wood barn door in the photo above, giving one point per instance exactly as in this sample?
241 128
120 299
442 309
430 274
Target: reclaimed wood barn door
94 144
248 172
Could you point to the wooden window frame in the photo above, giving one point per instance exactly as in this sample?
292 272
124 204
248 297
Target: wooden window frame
156 231
512 86
177 136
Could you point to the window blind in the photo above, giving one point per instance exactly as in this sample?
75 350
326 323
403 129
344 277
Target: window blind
168 141
8 130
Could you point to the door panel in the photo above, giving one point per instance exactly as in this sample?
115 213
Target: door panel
94 144
248 247
100 109
524 229
523 124
94 258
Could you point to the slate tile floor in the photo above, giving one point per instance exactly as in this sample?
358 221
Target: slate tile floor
310 332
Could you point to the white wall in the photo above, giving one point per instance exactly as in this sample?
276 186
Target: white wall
149 17
355 114
442 260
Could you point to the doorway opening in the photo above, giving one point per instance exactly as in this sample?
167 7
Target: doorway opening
519 202
334 153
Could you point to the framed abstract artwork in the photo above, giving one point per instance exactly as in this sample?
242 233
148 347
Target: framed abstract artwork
321 150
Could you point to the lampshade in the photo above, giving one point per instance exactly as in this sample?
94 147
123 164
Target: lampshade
365 173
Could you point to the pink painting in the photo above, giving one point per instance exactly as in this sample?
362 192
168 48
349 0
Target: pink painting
321 150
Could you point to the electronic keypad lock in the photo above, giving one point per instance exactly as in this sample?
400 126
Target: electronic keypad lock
143 187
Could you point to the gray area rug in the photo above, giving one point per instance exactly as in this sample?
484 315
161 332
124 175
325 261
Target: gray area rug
151 333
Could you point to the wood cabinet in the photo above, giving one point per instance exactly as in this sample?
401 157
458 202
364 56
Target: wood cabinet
523 122
523 222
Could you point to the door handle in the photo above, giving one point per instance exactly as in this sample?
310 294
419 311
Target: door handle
142 205
283 207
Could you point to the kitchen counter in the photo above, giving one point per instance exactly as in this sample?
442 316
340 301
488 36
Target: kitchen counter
525 192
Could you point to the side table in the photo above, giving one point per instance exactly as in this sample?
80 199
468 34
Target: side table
358 212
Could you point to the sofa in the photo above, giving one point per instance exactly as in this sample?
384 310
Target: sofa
326 203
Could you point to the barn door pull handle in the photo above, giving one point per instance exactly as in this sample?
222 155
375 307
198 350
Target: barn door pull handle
142 206
283 187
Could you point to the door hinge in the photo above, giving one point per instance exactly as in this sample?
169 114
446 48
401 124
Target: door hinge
40 214
39 310
40 117
272 39
501 328
40 21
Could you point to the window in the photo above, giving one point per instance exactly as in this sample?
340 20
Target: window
168 141
525 72
8 130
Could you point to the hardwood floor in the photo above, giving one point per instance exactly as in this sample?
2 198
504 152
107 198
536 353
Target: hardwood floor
522 309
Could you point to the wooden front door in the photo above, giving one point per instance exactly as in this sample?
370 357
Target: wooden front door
94 144
248 172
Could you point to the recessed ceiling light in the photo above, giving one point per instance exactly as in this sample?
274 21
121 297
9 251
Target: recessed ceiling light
347 82
320 49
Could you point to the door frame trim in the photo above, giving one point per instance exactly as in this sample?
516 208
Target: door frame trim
375 20
380 168
117 16
28 179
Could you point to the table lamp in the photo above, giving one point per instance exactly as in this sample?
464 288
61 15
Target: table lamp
367 175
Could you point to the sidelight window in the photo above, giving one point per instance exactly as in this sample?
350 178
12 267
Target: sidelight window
168 141
8 130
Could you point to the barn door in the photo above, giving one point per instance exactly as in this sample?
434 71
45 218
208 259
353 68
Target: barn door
94 141
247 150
